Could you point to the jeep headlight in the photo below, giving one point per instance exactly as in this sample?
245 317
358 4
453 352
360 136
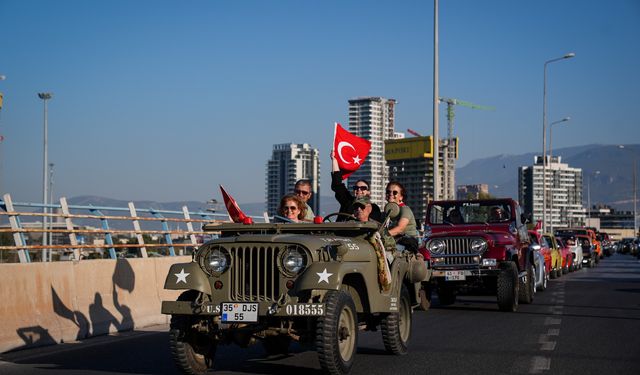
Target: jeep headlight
293 260
478 245
436 246
217 261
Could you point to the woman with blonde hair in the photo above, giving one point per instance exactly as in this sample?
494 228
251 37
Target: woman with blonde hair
292 208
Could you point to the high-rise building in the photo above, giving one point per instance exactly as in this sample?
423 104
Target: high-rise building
564 192
289 163
373 118
410 162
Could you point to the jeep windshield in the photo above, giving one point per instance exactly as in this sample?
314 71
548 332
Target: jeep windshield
469 212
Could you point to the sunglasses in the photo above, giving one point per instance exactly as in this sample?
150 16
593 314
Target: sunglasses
290 208
361 188
392 192
302 192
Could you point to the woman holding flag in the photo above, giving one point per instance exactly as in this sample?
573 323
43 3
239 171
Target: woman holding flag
349 151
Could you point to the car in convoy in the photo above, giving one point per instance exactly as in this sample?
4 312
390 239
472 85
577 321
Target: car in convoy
274 283
570 241
607 245
541 275
481 245
565 255
556 255
585 232
589 255
550 257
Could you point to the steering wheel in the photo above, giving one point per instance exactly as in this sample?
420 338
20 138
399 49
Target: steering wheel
338 214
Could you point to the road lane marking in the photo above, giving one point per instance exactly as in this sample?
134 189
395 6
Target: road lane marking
540 364
552 321
546 344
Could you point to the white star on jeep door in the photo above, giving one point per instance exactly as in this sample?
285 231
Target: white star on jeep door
323 276
182 276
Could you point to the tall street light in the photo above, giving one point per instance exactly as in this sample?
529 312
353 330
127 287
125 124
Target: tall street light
436 100
45 96
551 159
544 138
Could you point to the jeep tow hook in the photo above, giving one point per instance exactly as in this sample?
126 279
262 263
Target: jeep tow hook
283 300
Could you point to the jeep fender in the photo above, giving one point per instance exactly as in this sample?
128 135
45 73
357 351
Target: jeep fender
187 276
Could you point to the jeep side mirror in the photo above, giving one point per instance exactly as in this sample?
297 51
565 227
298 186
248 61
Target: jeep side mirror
524 218
391 210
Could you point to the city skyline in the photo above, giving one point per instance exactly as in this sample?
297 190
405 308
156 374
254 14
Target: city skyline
162 101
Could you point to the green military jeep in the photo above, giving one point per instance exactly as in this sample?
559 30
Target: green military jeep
276 283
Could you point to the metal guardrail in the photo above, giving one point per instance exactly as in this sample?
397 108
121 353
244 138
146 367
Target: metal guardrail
103 237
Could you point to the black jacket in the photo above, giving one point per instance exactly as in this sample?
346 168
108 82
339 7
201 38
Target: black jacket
345 198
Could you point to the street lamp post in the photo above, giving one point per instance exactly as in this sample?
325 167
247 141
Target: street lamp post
45 96
544 137
551 160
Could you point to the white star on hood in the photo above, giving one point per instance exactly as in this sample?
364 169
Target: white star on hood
182 276
323 276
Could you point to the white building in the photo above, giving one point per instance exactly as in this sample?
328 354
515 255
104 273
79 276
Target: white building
564 192
289 163
373 118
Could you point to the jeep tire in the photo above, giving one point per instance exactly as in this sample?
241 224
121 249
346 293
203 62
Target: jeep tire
527 289
507 287
193 352
337 333
396 327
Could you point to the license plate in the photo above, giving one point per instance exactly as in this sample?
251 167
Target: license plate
454 275
239 312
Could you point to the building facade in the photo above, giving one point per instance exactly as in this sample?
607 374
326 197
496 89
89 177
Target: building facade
472 191
410 162
289 163
373 118
564 192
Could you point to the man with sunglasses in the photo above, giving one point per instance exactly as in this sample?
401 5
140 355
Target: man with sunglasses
345 198
303 190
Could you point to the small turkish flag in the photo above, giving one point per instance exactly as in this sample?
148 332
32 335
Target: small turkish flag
234 210
350 150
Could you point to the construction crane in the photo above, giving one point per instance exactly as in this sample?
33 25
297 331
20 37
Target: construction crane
414 133
449 146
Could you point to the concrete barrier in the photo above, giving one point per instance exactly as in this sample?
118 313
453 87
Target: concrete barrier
51 303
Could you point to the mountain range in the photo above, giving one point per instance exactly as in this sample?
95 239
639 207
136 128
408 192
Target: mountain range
607 173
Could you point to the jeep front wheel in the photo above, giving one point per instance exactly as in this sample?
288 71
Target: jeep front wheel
527 289
396 327
337 333
193 352
507 287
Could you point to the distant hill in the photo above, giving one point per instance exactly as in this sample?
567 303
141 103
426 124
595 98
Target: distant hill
608 168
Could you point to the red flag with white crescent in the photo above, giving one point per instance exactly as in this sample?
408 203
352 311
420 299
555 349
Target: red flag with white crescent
234 210
350 150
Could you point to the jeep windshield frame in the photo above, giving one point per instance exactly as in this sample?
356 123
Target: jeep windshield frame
472 212
345 228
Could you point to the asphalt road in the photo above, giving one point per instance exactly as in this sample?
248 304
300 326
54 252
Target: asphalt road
586 322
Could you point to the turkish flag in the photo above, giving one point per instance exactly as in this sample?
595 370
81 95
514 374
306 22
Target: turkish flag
350 150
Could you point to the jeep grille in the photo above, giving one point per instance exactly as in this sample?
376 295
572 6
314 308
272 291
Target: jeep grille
458 252
254 273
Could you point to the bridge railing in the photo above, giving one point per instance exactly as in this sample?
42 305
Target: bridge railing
60 236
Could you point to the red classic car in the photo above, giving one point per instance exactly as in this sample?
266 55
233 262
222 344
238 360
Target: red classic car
481 245
545 250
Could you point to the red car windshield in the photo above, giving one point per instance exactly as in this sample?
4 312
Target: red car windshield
470 213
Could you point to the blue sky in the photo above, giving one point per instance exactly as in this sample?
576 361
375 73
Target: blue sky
165 100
